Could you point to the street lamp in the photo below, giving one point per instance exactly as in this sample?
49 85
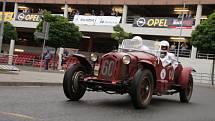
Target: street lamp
182 19
2 24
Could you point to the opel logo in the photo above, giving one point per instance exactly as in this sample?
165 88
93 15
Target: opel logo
141 22
21 16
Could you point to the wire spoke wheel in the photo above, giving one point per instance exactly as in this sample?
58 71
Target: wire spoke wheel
76 78
145 89
142 88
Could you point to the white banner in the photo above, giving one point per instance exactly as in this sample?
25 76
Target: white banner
96 20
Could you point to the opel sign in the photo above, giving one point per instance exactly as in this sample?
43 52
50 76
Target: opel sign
162 22
158 22
28 17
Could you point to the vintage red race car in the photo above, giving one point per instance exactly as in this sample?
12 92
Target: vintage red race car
133 70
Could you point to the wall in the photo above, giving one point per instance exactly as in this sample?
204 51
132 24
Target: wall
200 65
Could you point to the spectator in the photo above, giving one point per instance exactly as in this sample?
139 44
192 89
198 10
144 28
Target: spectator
73 12
93 13
101 13
77 12
183 49
172 47
113 12
47 58
184 46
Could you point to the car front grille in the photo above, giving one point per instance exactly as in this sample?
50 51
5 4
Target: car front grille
109 67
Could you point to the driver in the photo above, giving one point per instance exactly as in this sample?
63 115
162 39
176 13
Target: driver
167 58
139 43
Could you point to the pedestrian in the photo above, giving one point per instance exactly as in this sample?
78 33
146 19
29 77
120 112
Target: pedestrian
47 58
64 57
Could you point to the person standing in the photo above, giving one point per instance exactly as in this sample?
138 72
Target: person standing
47 58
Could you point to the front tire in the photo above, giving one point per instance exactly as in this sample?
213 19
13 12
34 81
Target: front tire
142 88
185 94
71 86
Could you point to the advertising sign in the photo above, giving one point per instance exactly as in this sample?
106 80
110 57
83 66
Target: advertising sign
107 20
152 22
162 22
8 16
28 17
187 23
96 20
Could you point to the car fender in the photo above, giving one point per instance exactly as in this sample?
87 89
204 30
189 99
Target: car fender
184 77
83 61
146 61
149 65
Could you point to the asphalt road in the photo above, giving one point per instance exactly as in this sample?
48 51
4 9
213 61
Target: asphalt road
49 104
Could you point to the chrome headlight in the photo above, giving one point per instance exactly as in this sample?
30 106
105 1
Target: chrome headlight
93 57
126 59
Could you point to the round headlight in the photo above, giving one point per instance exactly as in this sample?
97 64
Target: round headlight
93 57
126 59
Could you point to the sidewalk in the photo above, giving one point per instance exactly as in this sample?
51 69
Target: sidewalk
31 78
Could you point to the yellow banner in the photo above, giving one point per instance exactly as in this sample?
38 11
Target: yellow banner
8 16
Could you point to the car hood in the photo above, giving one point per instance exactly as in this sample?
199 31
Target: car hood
134 55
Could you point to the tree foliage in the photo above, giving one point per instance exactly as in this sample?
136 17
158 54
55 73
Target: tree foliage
62 33
9 32
119 34
203 37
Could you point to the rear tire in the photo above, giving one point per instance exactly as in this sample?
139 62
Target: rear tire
142 88
185 94
71 86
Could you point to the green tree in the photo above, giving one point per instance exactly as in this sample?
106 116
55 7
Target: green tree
62 33
203 37
119 34
9 32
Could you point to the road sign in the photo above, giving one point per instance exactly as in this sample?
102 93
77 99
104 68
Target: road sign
39 35
46 26
45 32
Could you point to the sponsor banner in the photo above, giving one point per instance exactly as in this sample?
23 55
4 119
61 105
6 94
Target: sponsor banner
187 23
8 16
162 22
107 20
96 20
28 17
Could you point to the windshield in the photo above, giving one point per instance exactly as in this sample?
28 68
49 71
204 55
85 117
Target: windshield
149 46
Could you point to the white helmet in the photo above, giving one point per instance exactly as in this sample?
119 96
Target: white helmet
164 45
137 38
137 42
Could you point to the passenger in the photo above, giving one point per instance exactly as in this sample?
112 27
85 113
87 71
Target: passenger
167 58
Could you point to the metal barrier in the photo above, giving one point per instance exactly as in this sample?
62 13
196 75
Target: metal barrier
7 62
205 56
130 19
182 53
4 58
202 77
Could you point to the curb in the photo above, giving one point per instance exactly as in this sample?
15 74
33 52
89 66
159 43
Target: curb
29 84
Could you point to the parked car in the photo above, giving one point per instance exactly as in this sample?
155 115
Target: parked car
135 69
